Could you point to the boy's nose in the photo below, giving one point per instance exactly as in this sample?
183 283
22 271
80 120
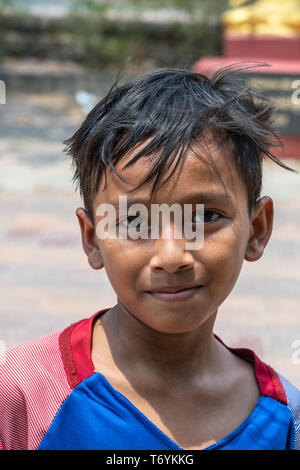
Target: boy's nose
171 255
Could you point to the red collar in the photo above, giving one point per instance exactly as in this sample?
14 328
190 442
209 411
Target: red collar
75 347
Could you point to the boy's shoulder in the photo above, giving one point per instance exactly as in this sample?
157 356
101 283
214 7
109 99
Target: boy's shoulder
31 359
35 379
57 353
273 384
33 385
293 403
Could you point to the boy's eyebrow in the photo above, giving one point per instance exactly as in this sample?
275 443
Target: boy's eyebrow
201 197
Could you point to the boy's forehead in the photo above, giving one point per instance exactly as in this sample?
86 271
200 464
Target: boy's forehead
204 166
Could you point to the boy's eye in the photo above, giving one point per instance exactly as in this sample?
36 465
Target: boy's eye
134 221
139 222
206 216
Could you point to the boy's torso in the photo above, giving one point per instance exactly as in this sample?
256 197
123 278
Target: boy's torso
195 414
50 385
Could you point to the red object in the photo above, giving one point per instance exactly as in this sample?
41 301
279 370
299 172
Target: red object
208 65
291 147
265 46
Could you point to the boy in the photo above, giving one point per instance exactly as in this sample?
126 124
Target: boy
149 373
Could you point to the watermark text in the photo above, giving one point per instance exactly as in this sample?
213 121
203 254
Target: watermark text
296 353
135 222
2 92
296 93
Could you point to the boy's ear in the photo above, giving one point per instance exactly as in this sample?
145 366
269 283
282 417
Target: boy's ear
261 229
89 239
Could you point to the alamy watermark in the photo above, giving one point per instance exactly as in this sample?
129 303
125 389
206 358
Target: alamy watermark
296 93
2 92
296 353
144 225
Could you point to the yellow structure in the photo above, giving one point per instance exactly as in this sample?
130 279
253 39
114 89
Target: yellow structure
263 17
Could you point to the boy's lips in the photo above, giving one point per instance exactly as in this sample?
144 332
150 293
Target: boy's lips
172 289
173 293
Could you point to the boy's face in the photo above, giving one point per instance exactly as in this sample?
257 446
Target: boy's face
137 267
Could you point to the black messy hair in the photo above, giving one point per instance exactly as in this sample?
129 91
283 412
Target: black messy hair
171 110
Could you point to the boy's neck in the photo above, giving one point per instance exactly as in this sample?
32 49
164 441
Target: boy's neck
159 355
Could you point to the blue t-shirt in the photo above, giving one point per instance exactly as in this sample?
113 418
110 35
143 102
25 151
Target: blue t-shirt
96 416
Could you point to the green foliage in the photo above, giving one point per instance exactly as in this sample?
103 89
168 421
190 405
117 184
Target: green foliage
102 33
113 42
85 24
87 7
4 4
189 6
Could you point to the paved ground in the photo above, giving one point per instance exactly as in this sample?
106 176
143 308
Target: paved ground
45 280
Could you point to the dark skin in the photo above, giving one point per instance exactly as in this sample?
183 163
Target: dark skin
163 355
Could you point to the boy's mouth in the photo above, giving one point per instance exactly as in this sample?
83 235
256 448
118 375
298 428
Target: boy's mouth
174 293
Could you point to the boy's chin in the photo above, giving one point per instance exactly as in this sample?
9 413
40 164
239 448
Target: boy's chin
173 323
172 318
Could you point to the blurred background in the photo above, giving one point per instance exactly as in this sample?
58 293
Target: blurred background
57 59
